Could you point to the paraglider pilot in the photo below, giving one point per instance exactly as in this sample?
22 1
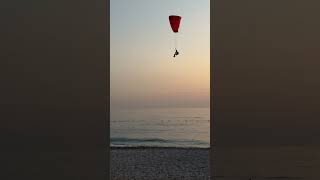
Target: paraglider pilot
175 23
176 53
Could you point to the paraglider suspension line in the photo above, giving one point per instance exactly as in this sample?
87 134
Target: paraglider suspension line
175 41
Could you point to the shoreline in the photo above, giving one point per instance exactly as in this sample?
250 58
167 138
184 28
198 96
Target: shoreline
157 147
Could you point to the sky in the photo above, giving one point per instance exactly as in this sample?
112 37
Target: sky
143 70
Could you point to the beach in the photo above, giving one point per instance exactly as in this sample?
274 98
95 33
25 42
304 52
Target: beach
159 163
160 144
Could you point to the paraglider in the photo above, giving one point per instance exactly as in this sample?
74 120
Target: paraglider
175 23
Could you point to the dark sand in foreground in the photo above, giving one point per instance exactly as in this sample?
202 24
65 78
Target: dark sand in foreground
143 163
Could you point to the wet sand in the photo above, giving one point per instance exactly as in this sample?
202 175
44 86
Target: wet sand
147 163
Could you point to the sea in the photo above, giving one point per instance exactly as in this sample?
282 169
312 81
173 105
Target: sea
160 127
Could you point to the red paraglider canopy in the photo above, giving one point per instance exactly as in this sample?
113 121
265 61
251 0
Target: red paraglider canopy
175 22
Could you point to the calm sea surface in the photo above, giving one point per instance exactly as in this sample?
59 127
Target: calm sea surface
163 127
